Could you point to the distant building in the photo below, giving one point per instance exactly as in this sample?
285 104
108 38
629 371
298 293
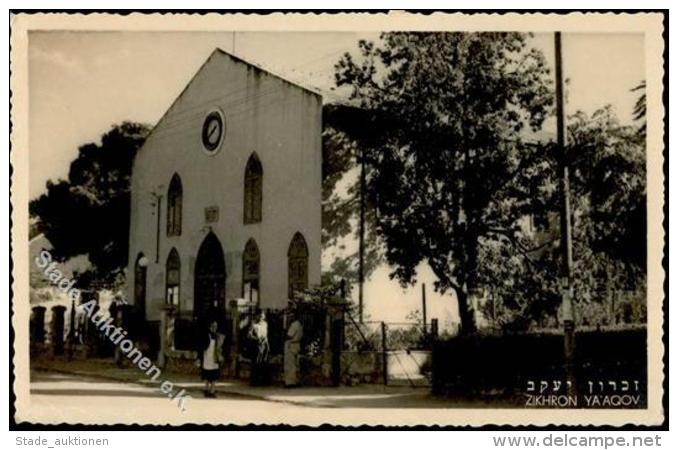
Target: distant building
226 194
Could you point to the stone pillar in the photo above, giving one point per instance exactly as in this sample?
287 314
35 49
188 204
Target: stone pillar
122 319
327 348
334 341
126 314
38 325
91 331
72 330
58 329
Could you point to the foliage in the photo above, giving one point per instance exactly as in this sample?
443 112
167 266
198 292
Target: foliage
314 297
607 167
640 107
409 335
89 212
472 365
341 206
434 114
609 185
362 337
444 110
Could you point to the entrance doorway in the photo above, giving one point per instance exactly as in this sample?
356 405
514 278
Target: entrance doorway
209 300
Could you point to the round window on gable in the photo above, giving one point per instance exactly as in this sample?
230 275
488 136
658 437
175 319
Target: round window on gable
213 130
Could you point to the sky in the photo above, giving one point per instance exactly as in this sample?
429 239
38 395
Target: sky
82 83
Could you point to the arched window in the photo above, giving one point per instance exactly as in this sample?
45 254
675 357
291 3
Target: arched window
297 265
253 185
172 278
174 199
250 272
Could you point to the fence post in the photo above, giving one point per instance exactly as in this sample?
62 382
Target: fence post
434 328
384 356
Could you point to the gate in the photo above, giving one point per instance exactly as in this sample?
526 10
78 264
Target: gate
407 354
390 353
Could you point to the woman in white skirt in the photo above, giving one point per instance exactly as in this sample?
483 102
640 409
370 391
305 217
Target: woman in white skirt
210 358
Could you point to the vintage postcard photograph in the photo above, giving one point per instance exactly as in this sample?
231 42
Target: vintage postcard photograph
392 219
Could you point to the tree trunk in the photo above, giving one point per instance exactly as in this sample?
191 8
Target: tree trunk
469 288
466 316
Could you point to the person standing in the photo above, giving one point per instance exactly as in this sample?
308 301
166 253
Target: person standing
292 351
260 349
210 358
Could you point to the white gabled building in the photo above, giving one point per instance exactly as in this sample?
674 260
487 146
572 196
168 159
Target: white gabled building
226 194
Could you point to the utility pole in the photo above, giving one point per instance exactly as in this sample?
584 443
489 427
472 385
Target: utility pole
565 221
361 243
384 353
423 306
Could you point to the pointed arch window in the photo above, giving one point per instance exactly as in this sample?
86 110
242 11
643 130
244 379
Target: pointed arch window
175 195
172 278
250 272
253 190
297 265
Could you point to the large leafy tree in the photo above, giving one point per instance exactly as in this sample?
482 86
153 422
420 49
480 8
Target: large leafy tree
609 185
89 212
607 191
446 116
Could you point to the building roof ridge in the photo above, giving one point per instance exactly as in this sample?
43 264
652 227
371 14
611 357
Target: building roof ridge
266 70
